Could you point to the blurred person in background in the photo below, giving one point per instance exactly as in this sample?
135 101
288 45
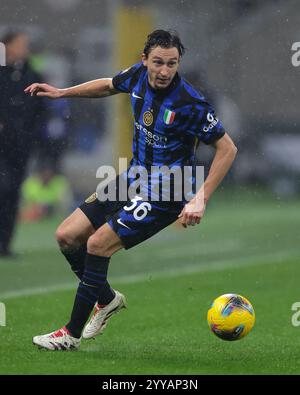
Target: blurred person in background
54 136
21 119
44 194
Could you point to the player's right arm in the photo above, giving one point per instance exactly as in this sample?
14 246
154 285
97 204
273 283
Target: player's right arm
92 89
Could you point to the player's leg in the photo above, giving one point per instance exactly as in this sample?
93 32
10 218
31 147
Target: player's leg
133 223
105 242
72 235
94 286
129 226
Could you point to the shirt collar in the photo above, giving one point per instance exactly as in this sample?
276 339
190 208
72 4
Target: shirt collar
163 92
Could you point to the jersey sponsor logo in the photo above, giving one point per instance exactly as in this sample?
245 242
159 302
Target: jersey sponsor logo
122 223
91 198
152 138
169 117
136 96
148 118
212 122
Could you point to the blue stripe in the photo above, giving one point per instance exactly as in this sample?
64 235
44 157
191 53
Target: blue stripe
95 273
94 281
84 297
87 289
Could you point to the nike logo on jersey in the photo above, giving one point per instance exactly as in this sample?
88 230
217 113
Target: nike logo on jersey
136 96
121 223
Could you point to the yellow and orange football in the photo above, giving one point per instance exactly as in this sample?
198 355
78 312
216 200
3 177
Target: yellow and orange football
231 317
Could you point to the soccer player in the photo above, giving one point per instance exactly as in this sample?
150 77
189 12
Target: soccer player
171 118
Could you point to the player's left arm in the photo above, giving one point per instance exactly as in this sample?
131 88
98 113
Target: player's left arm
225 154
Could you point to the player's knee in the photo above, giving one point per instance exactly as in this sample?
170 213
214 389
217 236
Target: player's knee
97 245
64 238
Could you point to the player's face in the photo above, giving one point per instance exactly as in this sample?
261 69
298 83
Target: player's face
162 65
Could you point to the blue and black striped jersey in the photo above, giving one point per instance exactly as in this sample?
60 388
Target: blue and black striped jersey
168 123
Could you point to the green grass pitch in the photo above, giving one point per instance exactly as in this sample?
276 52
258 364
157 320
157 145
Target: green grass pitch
244 245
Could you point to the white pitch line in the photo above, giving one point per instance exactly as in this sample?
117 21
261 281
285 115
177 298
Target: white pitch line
233 263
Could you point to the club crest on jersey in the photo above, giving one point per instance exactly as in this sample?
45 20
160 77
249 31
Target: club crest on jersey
148 118
169 117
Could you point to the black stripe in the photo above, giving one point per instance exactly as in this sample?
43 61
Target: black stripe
137 113
56 347
189 97
194 122
186 98
202 120
135 78
156 105
120 78
215 137
159 98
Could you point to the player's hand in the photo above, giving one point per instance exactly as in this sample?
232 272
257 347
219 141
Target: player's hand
192 212
44 90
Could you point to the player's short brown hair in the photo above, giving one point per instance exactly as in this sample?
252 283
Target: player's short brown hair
164 39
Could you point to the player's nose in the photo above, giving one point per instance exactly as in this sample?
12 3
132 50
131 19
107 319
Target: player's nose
164 72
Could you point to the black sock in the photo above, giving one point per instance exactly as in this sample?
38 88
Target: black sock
93 287
76 258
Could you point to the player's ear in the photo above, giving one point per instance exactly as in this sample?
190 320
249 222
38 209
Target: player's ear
144 59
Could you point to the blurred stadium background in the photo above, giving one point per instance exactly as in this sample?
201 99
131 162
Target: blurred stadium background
239 55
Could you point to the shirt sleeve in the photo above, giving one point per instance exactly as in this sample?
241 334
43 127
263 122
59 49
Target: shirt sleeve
126 79
205 124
